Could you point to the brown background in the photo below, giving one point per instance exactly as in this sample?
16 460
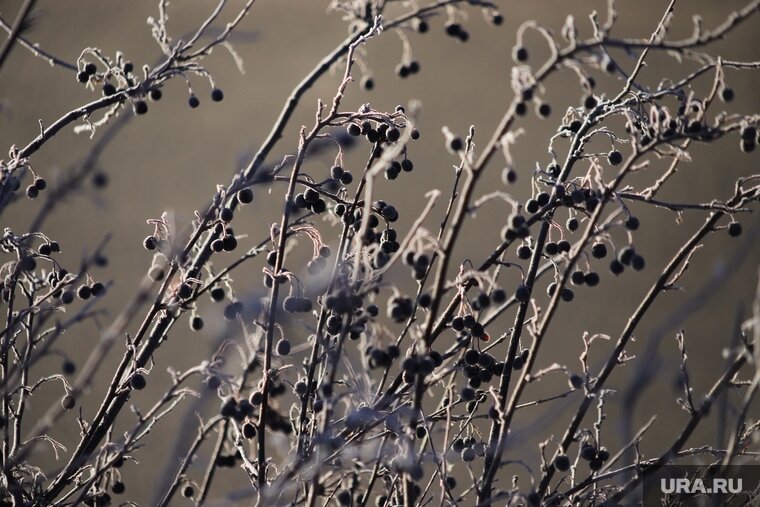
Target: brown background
171 160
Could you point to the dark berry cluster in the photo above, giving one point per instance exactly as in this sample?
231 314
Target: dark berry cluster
467 325
749 138
89 70
310 200
49 248
479 368
406 69
297 304
455 30
419 262
468 448
400 308
226 240
596 457
483 300
341 175
395 168
36 187
627 257
319 261
65 293
382 358
517 227
233 310
420 366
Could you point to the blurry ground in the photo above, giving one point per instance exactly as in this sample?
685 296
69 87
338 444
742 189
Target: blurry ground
171 160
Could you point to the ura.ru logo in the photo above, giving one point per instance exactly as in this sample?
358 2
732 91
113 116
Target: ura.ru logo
716 485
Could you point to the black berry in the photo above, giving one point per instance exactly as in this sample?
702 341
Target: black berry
520 54
140 107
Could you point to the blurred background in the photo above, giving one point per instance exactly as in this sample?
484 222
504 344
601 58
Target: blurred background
171 160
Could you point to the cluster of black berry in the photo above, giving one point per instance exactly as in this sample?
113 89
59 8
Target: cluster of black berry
49 248
687 122
342 302
400 308
358 323
380 133
297 304
226 241
233 310
310 200
749 138
382 358
228 460
318 263
566 294
468 448
467 325
395 168
341 175
36 187
627 257
67 294
237 410
125 74
101 497
276 421
386 239
483 300
360 418
479 368
595 457
419 262
421 365
590 278
406 69
456 31
89 70
517 227
586 197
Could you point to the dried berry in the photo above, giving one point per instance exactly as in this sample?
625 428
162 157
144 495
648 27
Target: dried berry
137 381
68 402
520 54
562 463
283 347
245 196
140 107
522 294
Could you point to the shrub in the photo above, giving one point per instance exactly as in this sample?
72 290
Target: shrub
380 393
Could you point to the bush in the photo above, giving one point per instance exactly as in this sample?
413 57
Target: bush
363 380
